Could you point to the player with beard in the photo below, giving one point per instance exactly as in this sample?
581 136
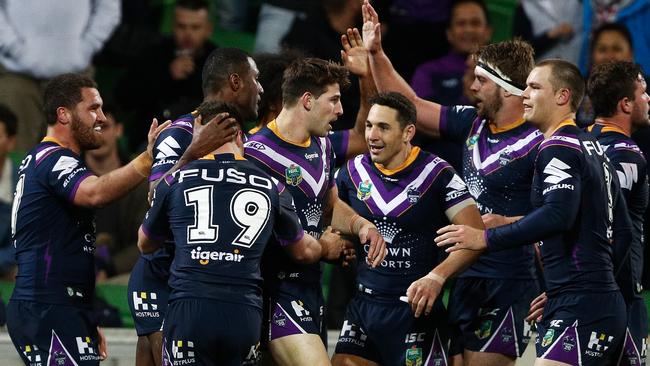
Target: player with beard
489 301
229 75
50 317
620 100
579 215
295 150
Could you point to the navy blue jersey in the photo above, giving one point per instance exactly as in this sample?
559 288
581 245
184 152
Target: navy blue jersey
307 174
408 207
220 213
575 194
54 238
170 145
631 169
498 169
340 141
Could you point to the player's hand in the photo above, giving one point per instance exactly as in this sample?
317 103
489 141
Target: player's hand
371 28
377 246
460 237
354 54
207 138
537 308
422 294
332 244
494 220
103 348
181 67
154 131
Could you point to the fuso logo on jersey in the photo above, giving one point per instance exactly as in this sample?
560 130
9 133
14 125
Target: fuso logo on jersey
65 165
555 171
457 188
166 148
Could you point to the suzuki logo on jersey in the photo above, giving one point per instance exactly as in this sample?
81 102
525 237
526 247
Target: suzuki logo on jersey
598 343
166 148
65 165
183 350
628 176
32 354
204 257
555 171
301 312
457 188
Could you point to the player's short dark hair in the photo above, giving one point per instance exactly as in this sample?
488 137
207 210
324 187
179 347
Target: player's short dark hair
610 27
457 3
406 112
271 67
64 91
564 74
192 4
611 82
312 75
514 58
219 65
209 109
9 119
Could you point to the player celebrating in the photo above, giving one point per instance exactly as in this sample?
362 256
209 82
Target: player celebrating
490 300
408 194
221 211
49 314
229 75
575 197
294 149
618 93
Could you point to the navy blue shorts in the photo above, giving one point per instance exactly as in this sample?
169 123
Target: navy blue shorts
296 308
148 293
582 329
46 334
211 332
487 315
386 331
634 346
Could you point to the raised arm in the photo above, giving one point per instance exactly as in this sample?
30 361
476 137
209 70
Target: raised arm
387 79
97 191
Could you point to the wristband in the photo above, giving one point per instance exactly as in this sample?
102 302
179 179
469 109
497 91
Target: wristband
142 164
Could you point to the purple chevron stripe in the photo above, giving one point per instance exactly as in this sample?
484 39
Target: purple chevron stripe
314 171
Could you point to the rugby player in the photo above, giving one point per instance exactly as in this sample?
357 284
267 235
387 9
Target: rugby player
489 301
575 196
294 149
409 194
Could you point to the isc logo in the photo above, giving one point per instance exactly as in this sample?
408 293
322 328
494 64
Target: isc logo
414 337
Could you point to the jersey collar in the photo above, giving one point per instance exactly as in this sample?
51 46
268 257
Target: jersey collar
273 126
511 126
566 122
52 139
415 151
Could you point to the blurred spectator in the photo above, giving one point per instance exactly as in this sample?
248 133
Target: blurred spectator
232 15
411 20
609 42
552 27
40 39
319 35
116 224
8 179
275 19
165 81
441 80
634 14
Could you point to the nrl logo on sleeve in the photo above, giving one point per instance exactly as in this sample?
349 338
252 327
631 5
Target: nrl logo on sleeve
293 175
364 190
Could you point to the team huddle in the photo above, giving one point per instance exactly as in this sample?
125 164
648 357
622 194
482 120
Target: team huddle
239 223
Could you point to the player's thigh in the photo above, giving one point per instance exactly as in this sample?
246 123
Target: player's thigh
148 295
342 359
143 353
299 349
155 340
295 309
53 332
472 358
633 351
542 362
